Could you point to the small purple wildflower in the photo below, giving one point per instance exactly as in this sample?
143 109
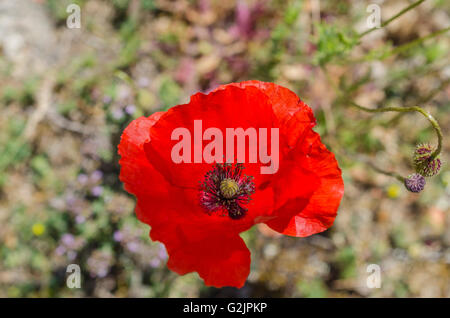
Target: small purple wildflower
130 109
97 191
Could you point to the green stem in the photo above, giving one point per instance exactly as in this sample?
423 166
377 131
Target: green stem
361 158
387 173
383 55
408 45
410 7
422 100
427 115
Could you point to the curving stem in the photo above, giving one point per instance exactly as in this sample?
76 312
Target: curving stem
427 115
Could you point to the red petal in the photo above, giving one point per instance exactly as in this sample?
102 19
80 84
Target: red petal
194 240
294 116
321 210
228 108
220 259
137 174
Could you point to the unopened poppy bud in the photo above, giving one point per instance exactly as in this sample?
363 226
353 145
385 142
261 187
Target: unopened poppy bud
423 163
415 182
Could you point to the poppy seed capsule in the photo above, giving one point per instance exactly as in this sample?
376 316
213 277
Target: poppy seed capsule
423 163
415 182
229 188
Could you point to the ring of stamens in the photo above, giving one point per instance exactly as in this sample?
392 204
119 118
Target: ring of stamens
224 188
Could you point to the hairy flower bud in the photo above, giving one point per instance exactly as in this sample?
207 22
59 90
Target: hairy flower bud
423 163
415 182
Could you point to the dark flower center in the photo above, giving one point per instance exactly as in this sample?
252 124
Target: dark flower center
226 189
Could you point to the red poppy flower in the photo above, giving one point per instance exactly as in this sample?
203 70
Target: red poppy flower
198 202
